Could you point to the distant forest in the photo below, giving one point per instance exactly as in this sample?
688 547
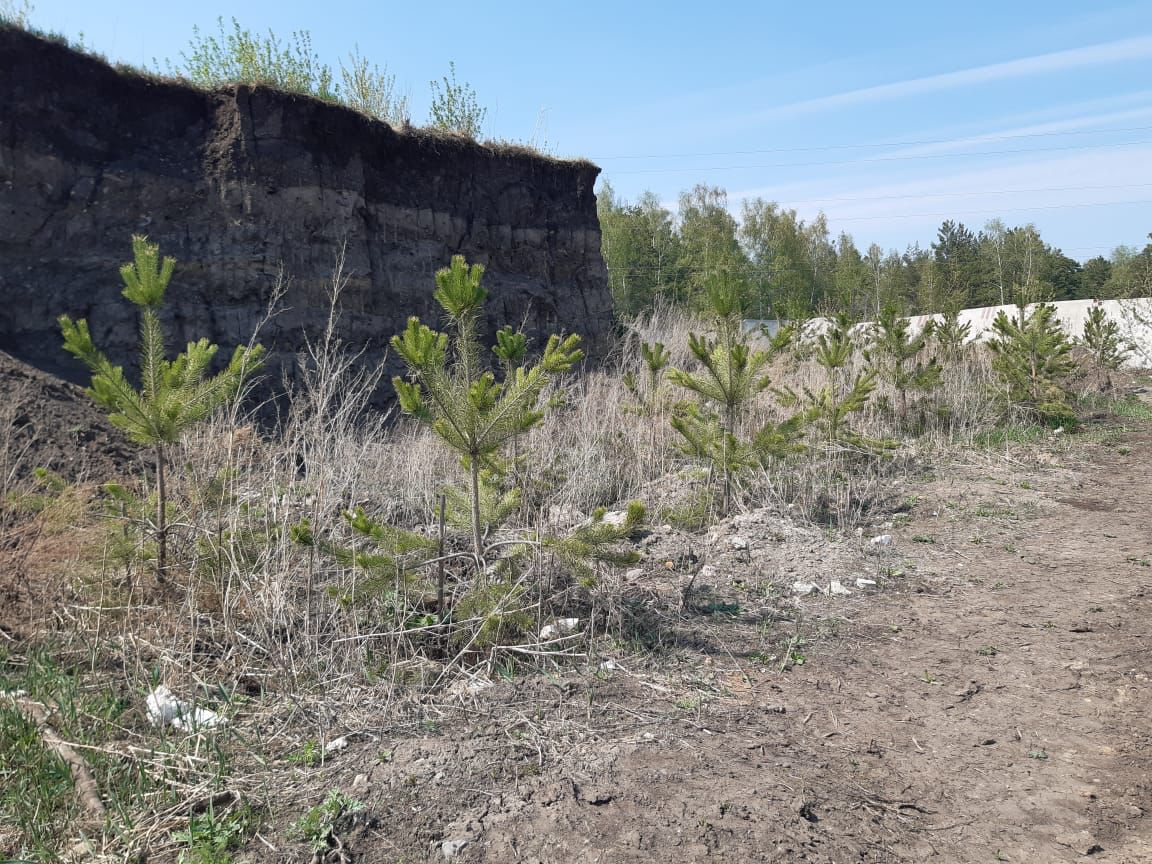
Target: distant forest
788 268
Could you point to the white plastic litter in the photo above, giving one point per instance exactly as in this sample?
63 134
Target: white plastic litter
164 709
561 627
882 540
865 583
836 588
805 588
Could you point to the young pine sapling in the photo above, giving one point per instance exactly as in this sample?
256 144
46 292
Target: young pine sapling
173 395
463 403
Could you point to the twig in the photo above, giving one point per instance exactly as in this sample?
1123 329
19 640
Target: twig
87 792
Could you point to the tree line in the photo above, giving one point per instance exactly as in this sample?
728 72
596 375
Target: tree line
787 267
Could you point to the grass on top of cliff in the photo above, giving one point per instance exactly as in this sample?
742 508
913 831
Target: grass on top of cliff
248 59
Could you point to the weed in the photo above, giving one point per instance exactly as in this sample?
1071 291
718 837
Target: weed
319 826
211 838
310 754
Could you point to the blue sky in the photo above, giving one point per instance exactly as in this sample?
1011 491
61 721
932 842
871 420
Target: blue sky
887 117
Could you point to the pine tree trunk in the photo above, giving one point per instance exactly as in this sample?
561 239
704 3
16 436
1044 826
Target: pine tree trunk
729 431
477 541
161 516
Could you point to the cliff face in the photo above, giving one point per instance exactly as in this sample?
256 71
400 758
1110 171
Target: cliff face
235 184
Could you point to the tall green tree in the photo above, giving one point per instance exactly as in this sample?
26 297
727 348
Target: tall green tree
708 243
958 264
174 394
1094 276
640 248
783 280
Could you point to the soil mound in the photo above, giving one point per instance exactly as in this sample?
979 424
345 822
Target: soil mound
48 423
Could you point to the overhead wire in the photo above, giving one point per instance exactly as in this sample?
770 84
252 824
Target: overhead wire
960 141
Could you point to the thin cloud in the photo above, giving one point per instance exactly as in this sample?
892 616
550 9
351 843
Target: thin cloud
1090 123
1105 53
900 208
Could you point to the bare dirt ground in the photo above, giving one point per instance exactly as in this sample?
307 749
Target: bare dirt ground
989 701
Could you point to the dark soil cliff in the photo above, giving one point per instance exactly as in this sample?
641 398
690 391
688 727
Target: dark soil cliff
236 183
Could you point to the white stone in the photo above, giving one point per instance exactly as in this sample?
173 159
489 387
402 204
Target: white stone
336 744
453 846
634 573
615 518
836 588
865 583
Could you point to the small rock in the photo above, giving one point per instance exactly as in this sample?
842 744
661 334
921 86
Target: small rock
1080 841
634 573
882 540
615 518
805 588
836 588
360 781
859 532
865 583
453 846
738 543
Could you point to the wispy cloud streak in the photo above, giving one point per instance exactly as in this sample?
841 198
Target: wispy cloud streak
1103 54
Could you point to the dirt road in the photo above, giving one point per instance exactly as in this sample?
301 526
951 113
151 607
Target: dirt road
992 703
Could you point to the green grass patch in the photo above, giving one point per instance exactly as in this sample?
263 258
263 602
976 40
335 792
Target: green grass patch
1002 435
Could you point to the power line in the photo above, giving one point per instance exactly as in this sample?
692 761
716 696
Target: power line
969 194
1005 210
974 139
874 159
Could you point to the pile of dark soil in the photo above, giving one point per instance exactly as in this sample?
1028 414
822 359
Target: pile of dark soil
49 423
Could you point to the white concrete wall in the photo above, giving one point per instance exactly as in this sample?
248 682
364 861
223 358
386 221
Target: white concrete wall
1133 316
